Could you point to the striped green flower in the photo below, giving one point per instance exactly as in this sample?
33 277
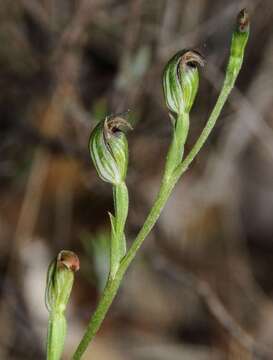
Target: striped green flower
60 278
109 150
181 80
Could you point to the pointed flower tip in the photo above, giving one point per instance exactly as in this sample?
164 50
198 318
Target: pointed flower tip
192 58
115 124
69 260
243 21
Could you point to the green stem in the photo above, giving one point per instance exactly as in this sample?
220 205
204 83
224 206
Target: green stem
171 176
166 188
176 149
162 197
55 335
118 241
233 69
97 318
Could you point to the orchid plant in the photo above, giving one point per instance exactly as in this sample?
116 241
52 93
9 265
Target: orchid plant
109 152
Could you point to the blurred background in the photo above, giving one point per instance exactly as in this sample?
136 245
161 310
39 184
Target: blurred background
201 287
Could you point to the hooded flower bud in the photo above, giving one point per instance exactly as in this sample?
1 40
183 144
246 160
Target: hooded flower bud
109 149
60 278
181 80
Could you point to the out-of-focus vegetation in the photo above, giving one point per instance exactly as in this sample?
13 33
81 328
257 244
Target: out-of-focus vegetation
201 288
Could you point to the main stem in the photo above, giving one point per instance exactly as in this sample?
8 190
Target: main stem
174 157
231 76
171 176
112 285
162 197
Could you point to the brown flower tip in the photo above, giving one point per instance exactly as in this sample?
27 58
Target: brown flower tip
243 21
114 124
192 58
69 260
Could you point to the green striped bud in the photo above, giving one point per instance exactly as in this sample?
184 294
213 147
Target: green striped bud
109 149
238 43
240 35
60 278
181 80
241 32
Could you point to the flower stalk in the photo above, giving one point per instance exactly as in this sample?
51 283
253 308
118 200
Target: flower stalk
118 240
109 151
180 84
